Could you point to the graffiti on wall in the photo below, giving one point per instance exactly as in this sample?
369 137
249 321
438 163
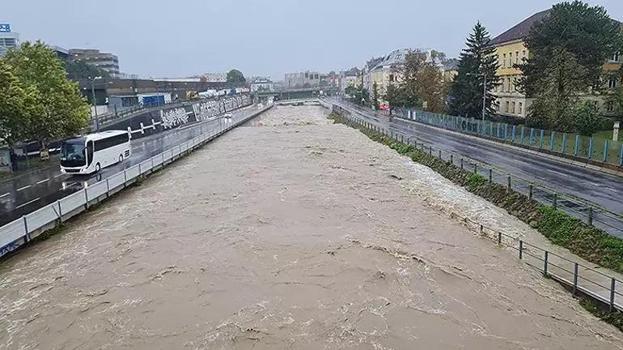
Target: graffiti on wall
173 117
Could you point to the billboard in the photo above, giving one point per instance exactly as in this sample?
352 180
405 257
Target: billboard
5 28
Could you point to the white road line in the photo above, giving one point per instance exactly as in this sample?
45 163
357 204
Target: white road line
42 181
59 175
23 188
32 201
4 195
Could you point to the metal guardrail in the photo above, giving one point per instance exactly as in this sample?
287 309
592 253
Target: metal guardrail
582 209
576 276
23 230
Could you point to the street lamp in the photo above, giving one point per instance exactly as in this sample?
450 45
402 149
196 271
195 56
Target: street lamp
484 92
92 80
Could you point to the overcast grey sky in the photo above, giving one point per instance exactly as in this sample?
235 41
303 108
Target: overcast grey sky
261 37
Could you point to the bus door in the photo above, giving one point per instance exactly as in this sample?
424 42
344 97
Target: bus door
89 153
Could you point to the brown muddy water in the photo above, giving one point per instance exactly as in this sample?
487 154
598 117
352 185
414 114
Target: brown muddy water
286 233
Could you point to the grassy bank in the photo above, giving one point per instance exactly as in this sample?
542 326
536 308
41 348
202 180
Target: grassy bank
560 228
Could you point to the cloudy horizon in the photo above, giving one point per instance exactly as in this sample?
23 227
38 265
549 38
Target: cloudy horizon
268 38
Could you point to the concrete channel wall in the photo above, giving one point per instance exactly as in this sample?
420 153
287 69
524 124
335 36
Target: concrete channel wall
23 230
156 120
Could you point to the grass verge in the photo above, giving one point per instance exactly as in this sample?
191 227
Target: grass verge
584 240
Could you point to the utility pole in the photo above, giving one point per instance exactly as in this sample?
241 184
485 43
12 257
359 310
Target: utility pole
97 124
484 97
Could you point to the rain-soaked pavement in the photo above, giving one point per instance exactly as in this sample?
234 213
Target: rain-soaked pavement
288 232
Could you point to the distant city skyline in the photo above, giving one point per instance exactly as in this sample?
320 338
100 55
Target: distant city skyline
261 38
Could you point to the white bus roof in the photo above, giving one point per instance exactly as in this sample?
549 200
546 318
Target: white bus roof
104 134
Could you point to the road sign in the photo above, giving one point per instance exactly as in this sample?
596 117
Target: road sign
5 28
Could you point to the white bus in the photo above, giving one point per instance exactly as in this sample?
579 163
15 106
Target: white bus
91 153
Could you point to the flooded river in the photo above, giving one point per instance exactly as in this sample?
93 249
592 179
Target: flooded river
286 233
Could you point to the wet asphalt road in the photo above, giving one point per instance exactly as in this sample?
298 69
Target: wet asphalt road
592 187
24 194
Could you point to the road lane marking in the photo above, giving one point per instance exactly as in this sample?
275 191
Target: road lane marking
23 188
4 195
61 174
42 181
25 204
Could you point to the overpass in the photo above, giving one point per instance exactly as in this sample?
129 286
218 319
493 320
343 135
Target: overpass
298 93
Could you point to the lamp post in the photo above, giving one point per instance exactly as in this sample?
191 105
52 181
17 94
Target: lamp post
92 80
484 92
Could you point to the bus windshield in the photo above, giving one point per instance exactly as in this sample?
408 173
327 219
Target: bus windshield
73 153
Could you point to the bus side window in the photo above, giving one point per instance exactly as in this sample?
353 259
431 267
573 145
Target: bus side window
89 152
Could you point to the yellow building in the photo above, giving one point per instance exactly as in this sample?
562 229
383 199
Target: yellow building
510 50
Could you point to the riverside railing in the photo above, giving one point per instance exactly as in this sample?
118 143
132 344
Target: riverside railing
577 277
591 213
23 230
587 148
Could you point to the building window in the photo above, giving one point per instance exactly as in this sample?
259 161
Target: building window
500 61
523 55
504 62
516 57
612 82
510 60
513 108
507 106
520 111
616 57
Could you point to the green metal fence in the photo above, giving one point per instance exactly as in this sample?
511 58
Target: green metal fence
567 144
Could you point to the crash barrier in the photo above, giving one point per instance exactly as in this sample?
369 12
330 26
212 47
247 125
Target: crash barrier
23 230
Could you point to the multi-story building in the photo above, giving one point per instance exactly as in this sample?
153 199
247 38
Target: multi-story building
450 69
261 84
214 77
386 70
8 39
103 60
300 80
511 50
351 77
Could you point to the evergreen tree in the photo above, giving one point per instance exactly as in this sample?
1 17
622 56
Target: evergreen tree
477 61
